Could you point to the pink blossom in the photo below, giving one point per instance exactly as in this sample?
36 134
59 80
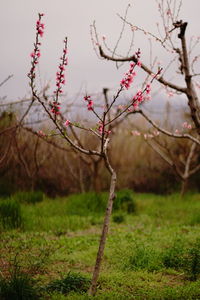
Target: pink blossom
135 105
128 77
40 32
67 123
90 105
86 98
138 97
156 132
36 52
41 133
61 67
187 125
60 77
100 128
55 108
136 133
148 89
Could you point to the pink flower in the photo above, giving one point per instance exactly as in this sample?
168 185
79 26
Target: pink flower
41 133
100 129
60 77
67 123
61 67
138 97
32 54
148 89
128 77
135 105
90 105
55 108
36 52
86 98
136 133
40 32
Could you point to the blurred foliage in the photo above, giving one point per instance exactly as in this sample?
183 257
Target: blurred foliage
10 214
31 163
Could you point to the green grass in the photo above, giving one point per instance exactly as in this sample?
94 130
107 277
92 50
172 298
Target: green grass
152 253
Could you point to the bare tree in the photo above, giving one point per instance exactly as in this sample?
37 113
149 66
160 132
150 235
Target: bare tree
184 160
173 32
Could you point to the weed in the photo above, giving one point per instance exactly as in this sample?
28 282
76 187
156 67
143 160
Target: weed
144 257
118 218
18 286
72 282
173 256
124 201
192 261
10 213
84 204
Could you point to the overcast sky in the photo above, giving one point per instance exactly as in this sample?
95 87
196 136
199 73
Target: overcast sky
72 19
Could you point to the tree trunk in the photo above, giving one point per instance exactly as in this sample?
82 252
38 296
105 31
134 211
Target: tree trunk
184 186
104 233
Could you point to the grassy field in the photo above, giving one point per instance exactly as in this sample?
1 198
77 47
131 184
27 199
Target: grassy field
152 252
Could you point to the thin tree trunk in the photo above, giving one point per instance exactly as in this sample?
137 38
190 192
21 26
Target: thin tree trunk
104 233
184 186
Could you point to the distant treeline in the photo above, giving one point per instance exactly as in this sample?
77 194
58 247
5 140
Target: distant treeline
36 162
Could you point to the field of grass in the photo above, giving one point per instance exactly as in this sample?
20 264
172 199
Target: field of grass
152 252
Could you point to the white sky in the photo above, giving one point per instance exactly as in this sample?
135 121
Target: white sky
72 19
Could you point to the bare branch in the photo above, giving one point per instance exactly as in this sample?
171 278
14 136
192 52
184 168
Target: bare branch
145 68
175 135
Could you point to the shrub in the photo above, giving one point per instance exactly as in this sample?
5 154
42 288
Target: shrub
19 287
31 197
118 218
124 201
173 256
83 204
72 282
192 261
10 213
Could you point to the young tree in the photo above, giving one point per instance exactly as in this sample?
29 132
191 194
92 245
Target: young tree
101 133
